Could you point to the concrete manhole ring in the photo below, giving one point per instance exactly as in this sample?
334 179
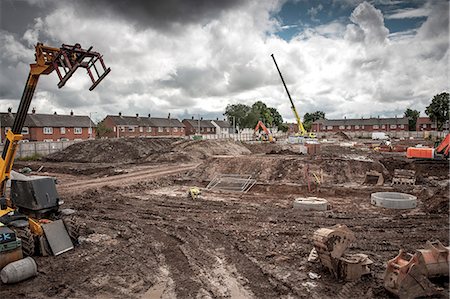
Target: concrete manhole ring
311 204
393 200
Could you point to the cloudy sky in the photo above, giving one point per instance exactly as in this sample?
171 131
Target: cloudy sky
193 57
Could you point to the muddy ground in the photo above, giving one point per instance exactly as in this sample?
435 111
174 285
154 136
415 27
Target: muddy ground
142 237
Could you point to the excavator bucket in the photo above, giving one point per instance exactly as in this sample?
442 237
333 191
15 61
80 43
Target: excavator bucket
407 275
331 243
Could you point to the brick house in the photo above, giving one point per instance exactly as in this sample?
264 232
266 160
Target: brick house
142 126
50 127
425 124
195 126
223 127
361 125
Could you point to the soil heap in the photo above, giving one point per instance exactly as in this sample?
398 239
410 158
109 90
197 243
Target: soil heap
133 150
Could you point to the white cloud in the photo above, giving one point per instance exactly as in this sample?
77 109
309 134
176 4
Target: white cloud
353 70
406 13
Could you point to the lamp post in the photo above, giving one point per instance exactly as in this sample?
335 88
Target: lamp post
90 124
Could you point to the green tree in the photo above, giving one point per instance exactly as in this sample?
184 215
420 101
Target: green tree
412 116
102 130
309 118
248 117
277 118
438 110
239 112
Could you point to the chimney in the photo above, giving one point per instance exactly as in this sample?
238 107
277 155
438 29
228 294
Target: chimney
54 113
120 114
192 118
345 117
71 113
201 118
217 118
33 110
137 115
168 116
9 110
149 115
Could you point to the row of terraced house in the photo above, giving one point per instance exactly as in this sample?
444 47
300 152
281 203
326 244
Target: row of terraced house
148 126
56 127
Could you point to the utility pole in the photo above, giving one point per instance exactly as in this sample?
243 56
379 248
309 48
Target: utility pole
90 124
198 115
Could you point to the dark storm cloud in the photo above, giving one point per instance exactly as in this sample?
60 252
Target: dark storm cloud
168 14
16 16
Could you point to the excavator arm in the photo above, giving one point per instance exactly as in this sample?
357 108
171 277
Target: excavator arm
65 61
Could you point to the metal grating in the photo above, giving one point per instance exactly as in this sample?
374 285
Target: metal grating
232 182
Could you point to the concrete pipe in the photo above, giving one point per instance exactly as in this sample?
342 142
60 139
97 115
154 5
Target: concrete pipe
311 204
393 200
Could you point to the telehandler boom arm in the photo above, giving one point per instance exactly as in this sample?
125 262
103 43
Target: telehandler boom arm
65 61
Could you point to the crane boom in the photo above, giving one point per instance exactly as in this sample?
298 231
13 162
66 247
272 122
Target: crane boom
65 61
301 129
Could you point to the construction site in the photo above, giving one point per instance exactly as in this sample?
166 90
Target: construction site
141 235
300 217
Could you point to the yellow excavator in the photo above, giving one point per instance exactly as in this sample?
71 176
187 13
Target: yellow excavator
301 129
33 208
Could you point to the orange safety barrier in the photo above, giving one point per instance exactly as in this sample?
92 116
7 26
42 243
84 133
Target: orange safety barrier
420 152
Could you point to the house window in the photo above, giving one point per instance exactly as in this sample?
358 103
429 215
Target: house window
89 130
207 129
48 130
376 126
149 129
25 130
167 130
402 126
383 126
141 129
160 129
77 131
182 130
349 127
114 129
362 127
393 126
329 128
324 128
130 129
122 129
356 127
341 127
433 126
175 129
48 140
62 130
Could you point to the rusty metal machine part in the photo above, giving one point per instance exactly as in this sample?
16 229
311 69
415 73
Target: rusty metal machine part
407 275
331 244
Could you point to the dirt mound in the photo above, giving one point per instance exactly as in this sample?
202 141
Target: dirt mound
289 169
341 136
438 201
132 150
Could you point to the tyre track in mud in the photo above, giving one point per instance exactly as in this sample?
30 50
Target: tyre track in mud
147 173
